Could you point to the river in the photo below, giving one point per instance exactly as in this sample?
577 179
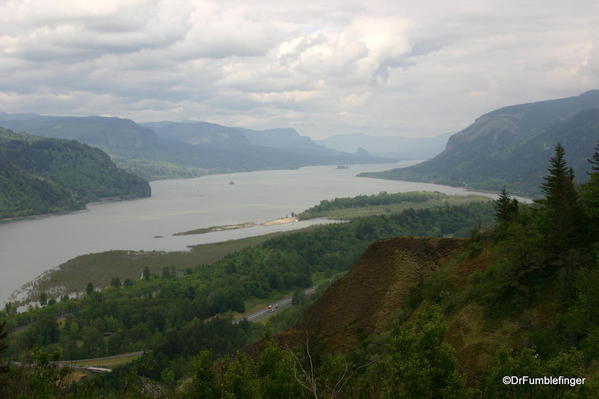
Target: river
31 246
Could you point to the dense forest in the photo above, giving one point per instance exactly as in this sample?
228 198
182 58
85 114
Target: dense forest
528 297
161 313
39 175
537 294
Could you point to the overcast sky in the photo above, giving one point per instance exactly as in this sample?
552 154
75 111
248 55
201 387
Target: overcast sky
406 68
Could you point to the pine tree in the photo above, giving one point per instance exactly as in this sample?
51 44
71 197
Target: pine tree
561 208
594 161
506 207
589 200
89 289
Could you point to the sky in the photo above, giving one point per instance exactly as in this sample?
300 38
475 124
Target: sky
404 68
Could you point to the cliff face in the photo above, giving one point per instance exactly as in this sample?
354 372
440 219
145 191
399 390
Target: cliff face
369 296
510 146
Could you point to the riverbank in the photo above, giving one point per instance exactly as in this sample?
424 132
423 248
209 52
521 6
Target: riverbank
72 210
280 221
100 268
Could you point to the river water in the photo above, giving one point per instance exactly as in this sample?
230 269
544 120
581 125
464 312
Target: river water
31 246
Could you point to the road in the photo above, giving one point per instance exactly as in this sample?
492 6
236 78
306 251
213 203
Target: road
277 306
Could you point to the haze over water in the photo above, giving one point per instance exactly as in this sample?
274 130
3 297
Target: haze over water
30 247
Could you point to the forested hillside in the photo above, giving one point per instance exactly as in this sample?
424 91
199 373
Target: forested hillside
173 316
45 175
415 317
508 146
444 318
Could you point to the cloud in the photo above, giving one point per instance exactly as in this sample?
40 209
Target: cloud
386 67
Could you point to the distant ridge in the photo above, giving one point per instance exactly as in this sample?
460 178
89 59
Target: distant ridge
403 148
185 149
511 146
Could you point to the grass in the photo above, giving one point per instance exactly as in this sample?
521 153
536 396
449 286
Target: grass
357 212
100 268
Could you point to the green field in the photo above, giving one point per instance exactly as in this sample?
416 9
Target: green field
347 213
100 268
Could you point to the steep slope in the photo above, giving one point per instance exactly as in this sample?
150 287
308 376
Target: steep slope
23 193
498 147
44 175
370 295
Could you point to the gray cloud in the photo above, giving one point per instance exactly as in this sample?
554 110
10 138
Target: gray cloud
386 67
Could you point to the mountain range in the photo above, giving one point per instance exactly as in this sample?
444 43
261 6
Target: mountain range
511 146
403 148
184 149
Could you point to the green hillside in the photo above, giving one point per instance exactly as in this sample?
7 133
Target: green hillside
45 175
508 146
420 313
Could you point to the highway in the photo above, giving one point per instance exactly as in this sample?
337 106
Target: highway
277 306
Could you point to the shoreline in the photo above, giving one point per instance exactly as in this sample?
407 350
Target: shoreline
275 222
212 229
69 211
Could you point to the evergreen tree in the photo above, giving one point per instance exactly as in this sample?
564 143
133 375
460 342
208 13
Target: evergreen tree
506 207
561 208
589 200
89 289
594 161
